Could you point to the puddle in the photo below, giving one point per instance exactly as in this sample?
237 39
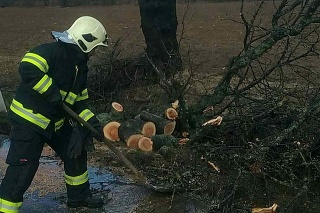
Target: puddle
47 191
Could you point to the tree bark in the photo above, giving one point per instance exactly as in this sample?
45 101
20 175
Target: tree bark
159 26
163 140
130 135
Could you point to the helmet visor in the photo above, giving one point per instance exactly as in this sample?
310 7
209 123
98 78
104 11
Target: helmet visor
62 36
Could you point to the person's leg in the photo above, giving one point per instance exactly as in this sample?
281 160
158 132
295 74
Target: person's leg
76 172
23 161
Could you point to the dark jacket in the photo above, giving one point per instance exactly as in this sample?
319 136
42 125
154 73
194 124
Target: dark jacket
51 74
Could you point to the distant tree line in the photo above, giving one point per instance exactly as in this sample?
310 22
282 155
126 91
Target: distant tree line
71 3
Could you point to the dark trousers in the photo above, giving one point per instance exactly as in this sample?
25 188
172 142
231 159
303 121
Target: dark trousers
23 161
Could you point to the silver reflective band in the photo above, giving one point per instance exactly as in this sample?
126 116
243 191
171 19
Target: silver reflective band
43 84
87 115
35 59
43 123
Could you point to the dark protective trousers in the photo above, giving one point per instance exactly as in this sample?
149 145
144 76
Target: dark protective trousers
23 161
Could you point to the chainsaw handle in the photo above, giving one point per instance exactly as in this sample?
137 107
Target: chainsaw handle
123 158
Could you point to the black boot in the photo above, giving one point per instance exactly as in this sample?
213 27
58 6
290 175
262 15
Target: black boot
90 202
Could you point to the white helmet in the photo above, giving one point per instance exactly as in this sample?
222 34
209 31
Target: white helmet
87 32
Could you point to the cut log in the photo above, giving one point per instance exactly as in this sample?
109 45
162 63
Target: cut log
171 114
133 141
116 111
116 107
130 134
159 141
146 128
4 123
111 131
145 144
115 114
156 142
163 126
149 129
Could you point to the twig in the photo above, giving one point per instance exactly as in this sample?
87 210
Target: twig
172 197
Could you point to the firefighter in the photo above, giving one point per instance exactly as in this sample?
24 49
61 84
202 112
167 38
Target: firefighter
53 74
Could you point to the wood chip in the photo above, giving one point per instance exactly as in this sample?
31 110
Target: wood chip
183 140
271 209
214 122
175 104
214 166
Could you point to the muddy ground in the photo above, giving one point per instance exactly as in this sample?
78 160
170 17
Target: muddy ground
211 37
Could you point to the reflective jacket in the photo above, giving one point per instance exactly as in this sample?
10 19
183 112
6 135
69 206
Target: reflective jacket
51 73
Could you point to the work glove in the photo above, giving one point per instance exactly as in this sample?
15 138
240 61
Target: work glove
87 139
99 137
81 138
75 143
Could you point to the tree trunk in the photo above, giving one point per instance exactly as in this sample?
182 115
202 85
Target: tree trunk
159 26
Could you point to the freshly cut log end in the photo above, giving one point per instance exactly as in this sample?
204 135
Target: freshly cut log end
171 113
169 128
163 126
110 131
149 129
133 141
117 107
145 144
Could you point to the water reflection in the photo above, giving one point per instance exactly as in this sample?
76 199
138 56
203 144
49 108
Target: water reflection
125 196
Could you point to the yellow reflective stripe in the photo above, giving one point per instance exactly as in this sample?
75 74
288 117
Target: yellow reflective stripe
58 124
36 60
71 98
84 95
10 207
77 180
86 114
28 114
63 94
43 85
